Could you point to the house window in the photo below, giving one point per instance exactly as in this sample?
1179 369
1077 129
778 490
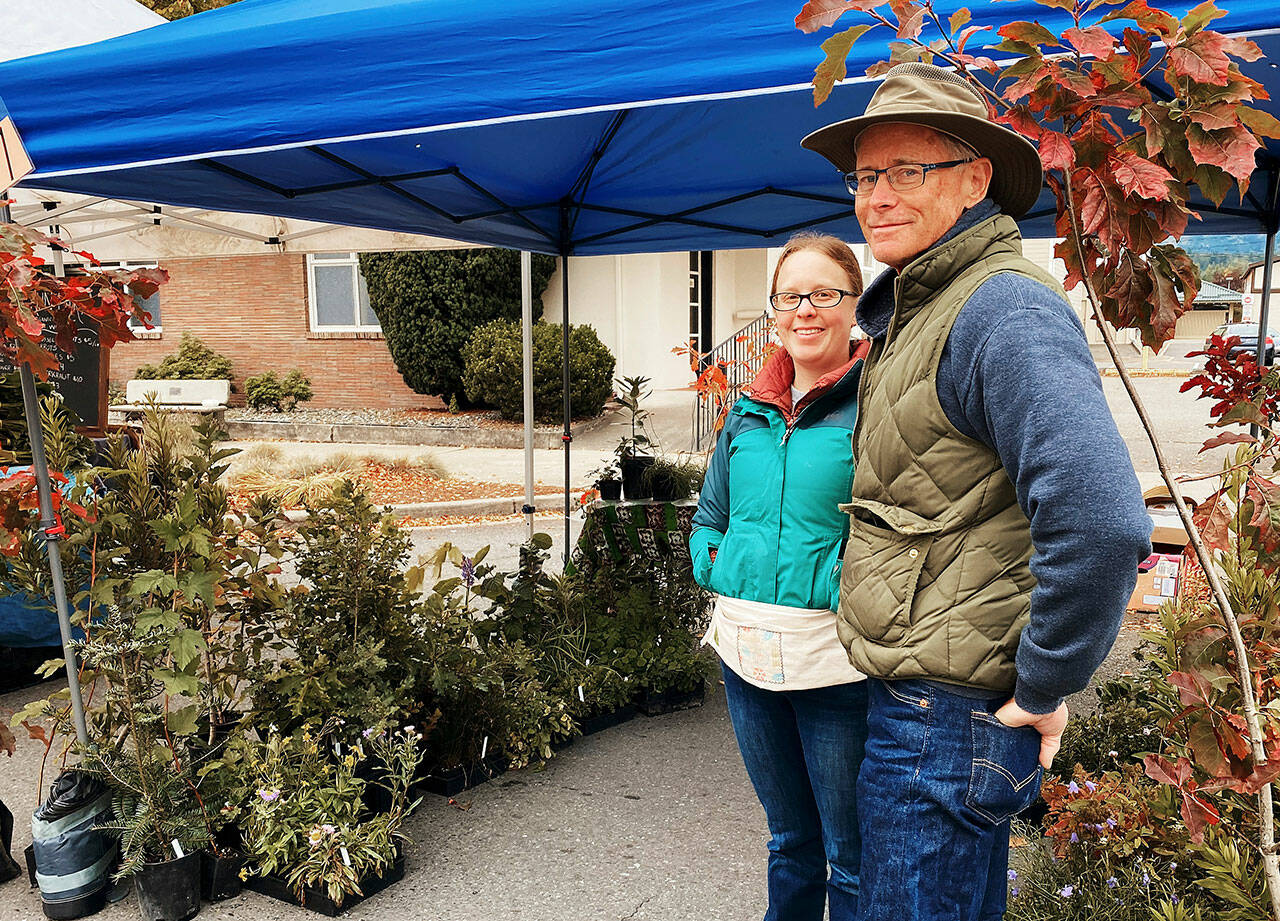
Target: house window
338 297
150 304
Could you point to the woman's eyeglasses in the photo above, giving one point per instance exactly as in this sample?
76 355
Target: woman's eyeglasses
822 298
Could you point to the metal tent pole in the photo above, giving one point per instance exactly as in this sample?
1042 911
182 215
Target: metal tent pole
51 527
567 437
526 335
1265 310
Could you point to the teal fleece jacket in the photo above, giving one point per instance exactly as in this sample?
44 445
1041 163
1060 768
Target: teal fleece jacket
768 526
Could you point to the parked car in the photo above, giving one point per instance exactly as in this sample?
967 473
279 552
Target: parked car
1248 333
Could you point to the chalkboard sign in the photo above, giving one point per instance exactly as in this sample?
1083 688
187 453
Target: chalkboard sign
80 378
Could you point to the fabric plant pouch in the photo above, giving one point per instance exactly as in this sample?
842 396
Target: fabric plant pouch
883 559
74 859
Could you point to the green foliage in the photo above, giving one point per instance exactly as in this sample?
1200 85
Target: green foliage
672 480
193 361
300 806
348 624
1045 888
429 304
494 376
266 391
1127 722
181 595
632 392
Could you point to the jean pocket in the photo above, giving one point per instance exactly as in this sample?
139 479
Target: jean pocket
1006 774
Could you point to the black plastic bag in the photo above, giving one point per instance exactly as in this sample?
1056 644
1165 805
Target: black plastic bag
8 866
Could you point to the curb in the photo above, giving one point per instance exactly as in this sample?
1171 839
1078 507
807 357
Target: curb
440 436
1150 372
494 506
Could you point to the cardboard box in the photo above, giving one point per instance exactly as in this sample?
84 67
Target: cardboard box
1157 581
1168 535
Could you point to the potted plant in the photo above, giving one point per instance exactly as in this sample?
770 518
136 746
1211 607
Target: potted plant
632 449
307 835
607 480
672 480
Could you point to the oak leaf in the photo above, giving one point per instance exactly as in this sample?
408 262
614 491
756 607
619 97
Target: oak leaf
1092 41
1229 149
1202 57
1139 176
1056 151
821 14
833 69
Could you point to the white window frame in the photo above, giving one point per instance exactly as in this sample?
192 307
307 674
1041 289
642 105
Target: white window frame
313 321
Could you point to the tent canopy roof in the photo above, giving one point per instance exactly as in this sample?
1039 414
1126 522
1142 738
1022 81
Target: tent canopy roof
587 128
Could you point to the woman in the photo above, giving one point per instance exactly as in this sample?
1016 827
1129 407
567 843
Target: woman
767 539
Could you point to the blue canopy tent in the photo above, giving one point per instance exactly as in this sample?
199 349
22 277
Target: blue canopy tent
564 128
569 128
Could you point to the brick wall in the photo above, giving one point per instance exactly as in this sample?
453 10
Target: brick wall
253 309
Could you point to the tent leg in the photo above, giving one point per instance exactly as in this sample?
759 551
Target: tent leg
568 408
35 432
48 523
1265 310
526 327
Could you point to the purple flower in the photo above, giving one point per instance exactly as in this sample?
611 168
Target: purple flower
1111 823
1014 892
1112 882
368 732
1075 839
1067 892
1073 787
1090 785
468 571
1173 899
1013 874
268 796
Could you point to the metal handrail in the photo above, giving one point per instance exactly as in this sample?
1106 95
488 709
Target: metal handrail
739 357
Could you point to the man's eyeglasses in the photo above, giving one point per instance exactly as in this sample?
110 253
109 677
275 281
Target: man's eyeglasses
902 178
823 297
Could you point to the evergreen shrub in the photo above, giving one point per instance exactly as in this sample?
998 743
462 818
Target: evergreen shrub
266 391
430 303
194 361
493 375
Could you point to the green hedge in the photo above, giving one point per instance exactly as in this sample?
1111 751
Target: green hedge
194 361
430 303
494 376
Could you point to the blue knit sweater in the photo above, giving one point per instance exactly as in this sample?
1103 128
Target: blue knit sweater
1016 374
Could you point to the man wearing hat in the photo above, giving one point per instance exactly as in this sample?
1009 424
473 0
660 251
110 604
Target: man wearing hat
996 524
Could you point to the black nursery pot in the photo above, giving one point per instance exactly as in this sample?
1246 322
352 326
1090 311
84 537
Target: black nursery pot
169 891
663 490
220 875
633 477
610 489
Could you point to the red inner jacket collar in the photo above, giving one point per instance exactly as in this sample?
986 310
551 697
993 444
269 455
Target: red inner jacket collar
772 385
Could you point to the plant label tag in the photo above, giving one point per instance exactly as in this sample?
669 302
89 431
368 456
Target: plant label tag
580 696
337 749
177 849
588 663
484 747
346 858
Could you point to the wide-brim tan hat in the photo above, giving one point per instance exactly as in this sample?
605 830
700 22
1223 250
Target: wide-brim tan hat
922 94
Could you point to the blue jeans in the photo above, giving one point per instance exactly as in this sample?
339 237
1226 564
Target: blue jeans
802 750
939 783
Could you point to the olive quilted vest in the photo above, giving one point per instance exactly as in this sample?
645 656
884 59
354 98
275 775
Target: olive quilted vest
936 581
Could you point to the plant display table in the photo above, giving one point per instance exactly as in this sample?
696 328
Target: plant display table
615 532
